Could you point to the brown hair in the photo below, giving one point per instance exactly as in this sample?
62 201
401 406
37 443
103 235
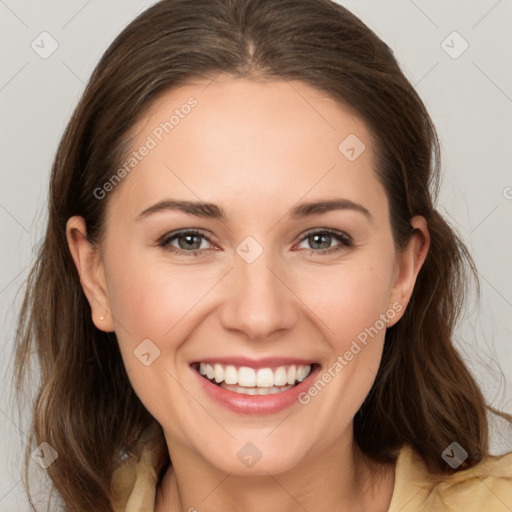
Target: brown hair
86 409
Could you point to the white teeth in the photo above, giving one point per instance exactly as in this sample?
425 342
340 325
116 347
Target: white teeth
292 372
230 375
219 373
265 378
303 372
254 391
280 377
246 377
260 379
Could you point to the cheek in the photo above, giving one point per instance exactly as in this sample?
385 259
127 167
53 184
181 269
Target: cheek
163 303
349 299
149 304
353 305
153 306
149 299
155 300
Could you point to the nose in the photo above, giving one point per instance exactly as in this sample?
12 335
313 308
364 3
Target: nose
260 300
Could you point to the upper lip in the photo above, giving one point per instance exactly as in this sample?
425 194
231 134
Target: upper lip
266 362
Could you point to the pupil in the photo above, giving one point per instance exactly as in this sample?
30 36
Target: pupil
317 236
189 246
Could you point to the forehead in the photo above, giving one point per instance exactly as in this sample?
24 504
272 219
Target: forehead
246 141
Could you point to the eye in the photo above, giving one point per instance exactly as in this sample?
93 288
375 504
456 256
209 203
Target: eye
189 242
321 240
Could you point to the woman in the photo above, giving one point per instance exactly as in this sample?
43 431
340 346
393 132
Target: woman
198 349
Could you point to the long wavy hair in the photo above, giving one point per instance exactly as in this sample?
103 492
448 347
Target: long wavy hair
85 407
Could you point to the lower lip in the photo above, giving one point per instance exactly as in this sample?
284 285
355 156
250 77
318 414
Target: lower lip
257 404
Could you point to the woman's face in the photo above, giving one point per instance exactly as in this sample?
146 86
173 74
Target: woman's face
272 287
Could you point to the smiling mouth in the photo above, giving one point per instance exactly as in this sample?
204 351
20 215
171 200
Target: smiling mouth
251 381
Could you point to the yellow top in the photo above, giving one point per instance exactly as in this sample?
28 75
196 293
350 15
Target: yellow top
486 487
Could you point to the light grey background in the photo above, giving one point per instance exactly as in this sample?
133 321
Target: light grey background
469 98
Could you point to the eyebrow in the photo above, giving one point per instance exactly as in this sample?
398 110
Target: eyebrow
212 211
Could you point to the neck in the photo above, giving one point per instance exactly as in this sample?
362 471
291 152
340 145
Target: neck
337 478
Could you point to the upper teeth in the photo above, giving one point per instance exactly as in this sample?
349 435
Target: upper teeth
249 377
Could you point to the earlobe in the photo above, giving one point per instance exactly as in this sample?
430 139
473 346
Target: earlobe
409 263
89 266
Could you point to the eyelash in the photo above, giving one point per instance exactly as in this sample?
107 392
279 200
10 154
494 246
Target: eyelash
346 241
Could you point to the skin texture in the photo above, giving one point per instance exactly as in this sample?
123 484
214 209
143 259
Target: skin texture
256 150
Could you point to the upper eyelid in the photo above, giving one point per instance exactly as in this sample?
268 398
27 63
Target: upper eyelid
173 235
183 232
342 236
330 231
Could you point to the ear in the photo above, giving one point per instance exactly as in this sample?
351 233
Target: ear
408 264
89 265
